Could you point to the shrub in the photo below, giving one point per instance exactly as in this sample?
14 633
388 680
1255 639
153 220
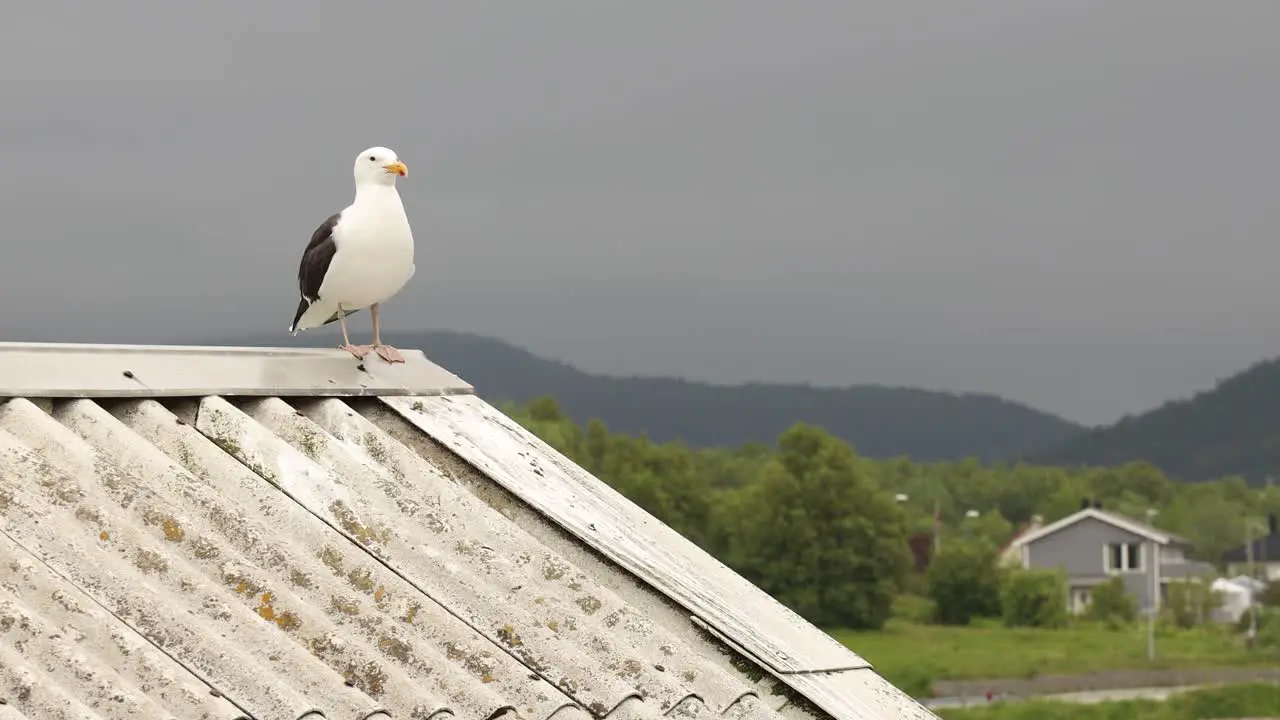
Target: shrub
1112 605
1242 625
1190 603
1271 594
1034 598
964 582
1268 627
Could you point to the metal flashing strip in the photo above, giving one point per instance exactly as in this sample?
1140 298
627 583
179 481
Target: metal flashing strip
119 371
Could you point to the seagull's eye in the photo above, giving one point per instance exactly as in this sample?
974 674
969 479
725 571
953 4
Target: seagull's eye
372 159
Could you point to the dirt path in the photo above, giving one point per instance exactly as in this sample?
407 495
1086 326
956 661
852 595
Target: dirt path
1086 697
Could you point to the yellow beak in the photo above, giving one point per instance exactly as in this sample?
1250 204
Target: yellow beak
396 167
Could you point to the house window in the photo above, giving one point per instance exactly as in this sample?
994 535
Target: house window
1124 557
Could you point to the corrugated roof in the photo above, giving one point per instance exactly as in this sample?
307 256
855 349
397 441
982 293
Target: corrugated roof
217 551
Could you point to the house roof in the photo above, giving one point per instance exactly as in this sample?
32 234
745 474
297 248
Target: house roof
1021 530
1265 549
264 534
1142 529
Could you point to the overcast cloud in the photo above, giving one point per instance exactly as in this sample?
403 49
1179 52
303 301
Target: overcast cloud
1072 204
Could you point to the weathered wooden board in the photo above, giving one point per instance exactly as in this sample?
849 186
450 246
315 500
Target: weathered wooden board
605 520
845 694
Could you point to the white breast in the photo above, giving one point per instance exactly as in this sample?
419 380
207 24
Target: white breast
374 257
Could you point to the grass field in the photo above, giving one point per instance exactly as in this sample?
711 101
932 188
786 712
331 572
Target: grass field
1229 701
912 656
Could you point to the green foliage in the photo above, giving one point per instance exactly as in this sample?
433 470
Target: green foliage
823 538
1269 629
815 524
1270 595
917 584
912 608
1245 621
964 582
1034 598
1112 605
1228 701
1190 603
990 528
1268 637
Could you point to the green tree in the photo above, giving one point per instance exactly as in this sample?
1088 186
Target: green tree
1034 598
989 528
598 448
816 525
820 536
1210 515
964 582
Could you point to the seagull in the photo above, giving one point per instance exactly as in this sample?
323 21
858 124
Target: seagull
360 257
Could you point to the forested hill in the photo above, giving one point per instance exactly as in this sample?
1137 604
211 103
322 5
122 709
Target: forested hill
1233 429
878 421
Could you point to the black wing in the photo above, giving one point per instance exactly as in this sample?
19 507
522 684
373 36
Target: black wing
316 258
315 263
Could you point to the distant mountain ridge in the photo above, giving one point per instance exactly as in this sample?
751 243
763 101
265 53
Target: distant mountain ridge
925 425
1233 429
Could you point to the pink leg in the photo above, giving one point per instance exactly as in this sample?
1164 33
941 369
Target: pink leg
359 351
386 352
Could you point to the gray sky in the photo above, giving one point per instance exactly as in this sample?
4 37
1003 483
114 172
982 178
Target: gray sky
1068 203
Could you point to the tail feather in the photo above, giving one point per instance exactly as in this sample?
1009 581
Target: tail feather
303 306
314 314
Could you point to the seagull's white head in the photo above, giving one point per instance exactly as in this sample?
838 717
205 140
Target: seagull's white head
379 166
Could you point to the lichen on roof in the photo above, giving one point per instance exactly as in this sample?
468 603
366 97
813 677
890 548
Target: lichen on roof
268 557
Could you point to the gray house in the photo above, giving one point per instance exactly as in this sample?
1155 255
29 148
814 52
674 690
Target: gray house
1093 545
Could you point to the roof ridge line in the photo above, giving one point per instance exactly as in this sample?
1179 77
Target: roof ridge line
116 371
